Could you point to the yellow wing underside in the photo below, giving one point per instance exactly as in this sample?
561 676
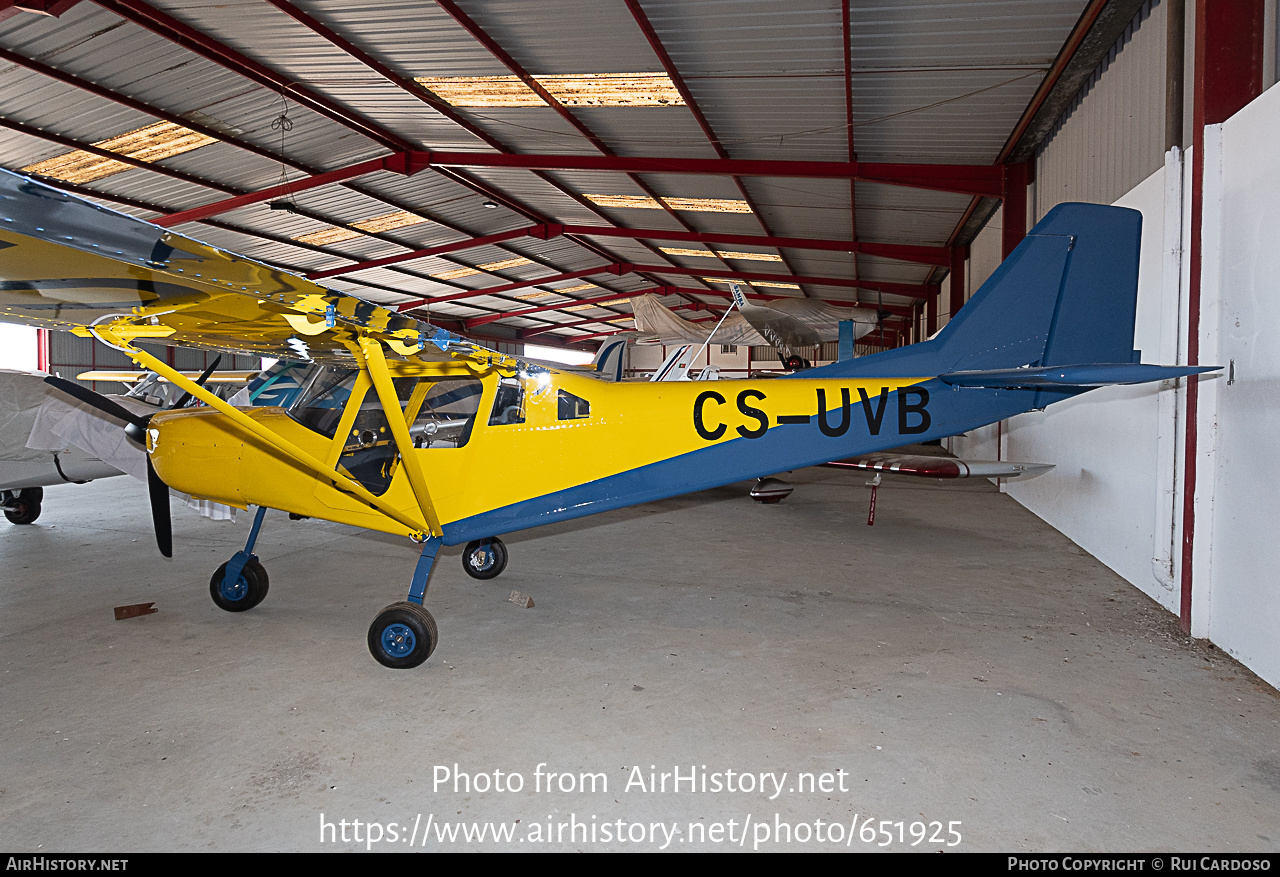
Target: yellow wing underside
66 263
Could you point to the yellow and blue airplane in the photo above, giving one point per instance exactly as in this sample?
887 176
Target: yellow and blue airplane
404 426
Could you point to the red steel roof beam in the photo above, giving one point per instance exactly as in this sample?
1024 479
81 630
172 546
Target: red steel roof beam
504 57
193 40
454 247
939 256
1064 57
673 73
902 252
411 87
615 268
914 290
965 179
182 34
661 290
325 179
987 181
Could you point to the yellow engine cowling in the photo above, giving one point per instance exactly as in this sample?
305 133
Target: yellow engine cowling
202 452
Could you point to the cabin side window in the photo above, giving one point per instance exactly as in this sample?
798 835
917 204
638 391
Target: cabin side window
447 414
508 403
571 407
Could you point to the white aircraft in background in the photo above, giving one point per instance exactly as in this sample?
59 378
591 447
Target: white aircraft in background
47 439
785 324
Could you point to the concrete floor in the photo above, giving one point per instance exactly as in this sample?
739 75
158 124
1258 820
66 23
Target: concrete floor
958 662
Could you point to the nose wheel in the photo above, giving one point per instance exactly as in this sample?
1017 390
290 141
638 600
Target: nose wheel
241 583
485 558
402 636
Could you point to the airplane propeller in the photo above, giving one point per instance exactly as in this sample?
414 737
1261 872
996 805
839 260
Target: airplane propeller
136 429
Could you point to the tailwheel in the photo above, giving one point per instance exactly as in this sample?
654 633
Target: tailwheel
23 506
402 636
485 558
247 590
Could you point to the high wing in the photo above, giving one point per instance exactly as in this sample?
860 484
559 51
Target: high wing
782 331
135 376
779 323
120 278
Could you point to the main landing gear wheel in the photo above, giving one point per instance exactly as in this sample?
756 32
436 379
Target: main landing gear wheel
402 636
249 589
23 506
485 558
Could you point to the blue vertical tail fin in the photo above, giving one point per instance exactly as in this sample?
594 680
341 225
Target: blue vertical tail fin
1067 295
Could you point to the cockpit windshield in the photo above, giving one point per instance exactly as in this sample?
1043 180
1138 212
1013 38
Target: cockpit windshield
319 406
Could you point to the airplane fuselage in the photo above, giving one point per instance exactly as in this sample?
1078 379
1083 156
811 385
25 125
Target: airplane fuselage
539 460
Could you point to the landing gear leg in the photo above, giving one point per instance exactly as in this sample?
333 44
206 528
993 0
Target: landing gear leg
241 583
404 634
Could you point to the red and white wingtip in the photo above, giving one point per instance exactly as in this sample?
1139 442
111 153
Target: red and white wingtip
942 467
771 490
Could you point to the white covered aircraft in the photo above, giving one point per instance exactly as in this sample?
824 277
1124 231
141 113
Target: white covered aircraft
47 439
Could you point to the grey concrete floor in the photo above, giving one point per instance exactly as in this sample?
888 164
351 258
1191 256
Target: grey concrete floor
959 662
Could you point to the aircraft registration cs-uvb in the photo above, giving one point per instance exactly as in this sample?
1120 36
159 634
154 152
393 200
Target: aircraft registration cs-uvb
403 428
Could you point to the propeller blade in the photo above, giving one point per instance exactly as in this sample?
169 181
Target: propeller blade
97 400
204 376
159 495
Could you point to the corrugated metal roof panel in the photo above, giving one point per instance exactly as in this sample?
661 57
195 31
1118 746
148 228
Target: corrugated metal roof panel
931 81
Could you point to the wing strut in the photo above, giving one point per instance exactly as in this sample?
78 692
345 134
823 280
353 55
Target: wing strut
376 362
339 481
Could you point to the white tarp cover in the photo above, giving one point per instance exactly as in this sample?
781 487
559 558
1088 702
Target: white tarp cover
661 323
36 421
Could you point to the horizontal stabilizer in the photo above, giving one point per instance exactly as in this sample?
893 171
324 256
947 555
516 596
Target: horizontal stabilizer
1071 377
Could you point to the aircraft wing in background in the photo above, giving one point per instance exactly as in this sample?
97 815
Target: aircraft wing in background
941 467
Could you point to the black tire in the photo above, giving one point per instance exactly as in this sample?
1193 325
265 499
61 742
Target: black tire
793 363
25 512
249 591
402 636
485 559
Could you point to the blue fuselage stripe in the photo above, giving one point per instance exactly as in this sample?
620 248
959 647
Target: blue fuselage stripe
781 448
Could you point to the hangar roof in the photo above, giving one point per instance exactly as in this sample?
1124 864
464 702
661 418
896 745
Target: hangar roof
518 168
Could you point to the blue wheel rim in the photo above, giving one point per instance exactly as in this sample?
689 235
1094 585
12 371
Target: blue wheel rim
233 592
398 640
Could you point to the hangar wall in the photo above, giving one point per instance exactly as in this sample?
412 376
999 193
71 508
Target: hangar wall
1117 488
1111 137
1116 450
1236 599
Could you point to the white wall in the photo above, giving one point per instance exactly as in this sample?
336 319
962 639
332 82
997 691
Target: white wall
1117 490
1115 449
1236 574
